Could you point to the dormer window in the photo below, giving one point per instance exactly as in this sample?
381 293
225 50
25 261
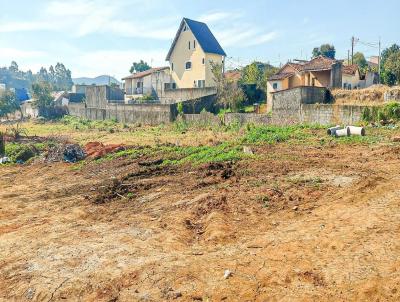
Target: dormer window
188 65
185 28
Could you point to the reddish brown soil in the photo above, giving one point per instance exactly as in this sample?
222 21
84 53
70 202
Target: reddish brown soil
297 224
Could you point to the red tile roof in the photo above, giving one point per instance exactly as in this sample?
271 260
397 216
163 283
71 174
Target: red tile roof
142 74
280 76
233 75
350 69
319 63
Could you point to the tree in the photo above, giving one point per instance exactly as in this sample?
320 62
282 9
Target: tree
326 50
360 60
392 64
389 76
8 103
13 67
139 67
229 94
41 93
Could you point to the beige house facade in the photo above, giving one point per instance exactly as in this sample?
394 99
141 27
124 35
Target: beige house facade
152 82
191 55
319 72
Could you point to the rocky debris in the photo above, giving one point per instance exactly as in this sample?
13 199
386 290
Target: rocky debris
96 150
4 160
227 274
248 150
396 139
70 153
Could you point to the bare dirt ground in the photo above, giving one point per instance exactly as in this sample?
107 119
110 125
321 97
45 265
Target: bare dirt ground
297 224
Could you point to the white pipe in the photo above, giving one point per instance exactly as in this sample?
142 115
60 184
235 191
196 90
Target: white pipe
356 130
332 131
343 132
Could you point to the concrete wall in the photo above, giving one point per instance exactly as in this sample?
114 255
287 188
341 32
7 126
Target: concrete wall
100 96
327 114
146 114
181 95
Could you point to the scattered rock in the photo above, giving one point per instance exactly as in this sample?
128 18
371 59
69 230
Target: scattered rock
30 293
247 150
295 208
227 274
396 139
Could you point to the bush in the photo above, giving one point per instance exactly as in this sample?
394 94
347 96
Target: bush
390 111
273 134
20 152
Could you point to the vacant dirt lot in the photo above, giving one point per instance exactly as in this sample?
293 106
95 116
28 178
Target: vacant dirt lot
294 223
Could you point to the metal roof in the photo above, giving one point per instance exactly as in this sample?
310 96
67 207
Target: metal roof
203 35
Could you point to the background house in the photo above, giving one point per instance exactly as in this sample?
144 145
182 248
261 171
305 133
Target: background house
351 77
191 54
151 82
319 72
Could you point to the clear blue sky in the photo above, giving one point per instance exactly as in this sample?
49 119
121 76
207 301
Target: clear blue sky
94 37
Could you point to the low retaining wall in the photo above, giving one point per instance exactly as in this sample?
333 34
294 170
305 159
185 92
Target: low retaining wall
247 118
147 114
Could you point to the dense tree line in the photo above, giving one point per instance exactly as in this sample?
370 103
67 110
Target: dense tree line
59 77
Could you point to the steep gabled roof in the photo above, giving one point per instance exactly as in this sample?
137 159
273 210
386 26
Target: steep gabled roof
142 74
203 35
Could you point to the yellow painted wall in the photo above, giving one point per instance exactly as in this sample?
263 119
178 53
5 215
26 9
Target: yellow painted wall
296 81
322 78
217 59
353 80
199 71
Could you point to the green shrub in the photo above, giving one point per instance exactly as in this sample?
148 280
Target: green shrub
274 134
180 108
20 152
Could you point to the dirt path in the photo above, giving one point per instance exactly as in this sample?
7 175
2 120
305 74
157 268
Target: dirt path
316 224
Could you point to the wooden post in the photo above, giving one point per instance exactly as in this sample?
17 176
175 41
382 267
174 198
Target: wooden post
2 145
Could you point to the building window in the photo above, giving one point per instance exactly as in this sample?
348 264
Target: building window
173 85
172 66
188 65
185 28
189 44
275 86
204 61
194 44
201 83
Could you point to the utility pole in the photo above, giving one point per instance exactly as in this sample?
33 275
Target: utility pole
352 50
348 57
379 62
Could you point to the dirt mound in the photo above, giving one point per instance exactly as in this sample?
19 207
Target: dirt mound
372 95
97 150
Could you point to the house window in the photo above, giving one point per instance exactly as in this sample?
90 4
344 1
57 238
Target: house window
172 66
189 44
204 61
139 84
185 28
201 83
194 44
173 85
275 86
188 65
167 86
